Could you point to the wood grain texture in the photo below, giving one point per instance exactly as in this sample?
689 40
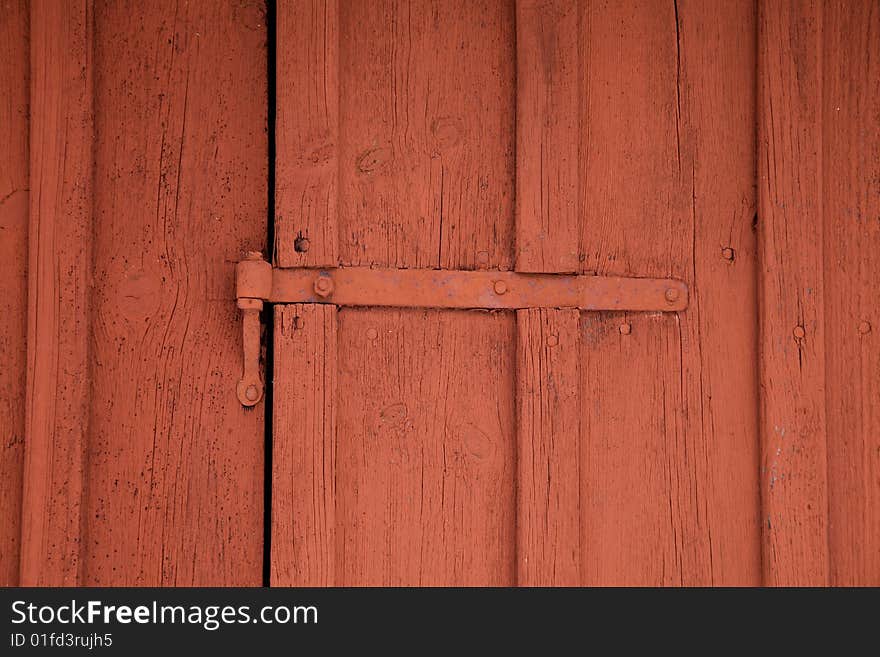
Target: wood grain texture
60 303
427 134
792 371
818 173
142 466
547 135
425 456
548 448
307 133
304 447
667 164
851 189
14 80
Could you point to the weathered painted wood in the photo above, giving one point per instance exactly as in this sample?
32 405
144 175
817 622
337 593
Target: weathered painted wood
669 428
425 452
137 443
548 536
547 135
793 381
14 78
304 447
427 129
851 206
60 300
307 133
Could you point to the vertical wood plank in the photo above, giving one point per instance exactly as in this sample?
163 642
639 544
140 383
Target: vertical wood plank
717 80
175 463
59 292
307 133
425 458
547 135
427 134
14 78
426 176
670 447
304 447
792 371
548 448
851 205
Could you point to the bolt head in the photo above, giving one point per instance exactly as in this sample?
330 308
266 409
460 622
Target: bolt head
799 332
727 253
323 286
500 287
552 340
625 328
301 244
672 294
865 327
252 393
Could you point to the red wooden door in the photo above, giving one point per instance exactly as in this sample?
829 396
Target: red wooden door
732 441
542 446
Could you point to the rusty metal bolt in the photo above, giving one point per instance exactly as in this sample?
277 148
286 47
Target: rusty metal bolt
625 328
672 294
252 393
799 332
728 254
323 286
865 328
500 287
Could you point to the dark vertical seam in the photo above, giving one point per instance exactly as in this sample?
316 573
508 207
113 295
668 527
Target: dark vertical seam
268 315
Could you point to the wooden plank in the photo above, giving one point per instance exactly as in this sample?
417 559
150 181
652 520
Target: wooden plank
547 136
59 301
427 127
307 133
792 300
548 448
424 476
175 461
670 448
719 331
425 458
304 447
14 78
851 208
135 342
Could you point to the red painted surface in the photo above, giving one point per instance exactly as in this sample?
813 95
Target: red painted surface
732 442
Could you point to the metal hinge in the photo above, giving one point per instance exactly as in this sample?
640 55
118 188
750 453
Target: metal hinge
257 282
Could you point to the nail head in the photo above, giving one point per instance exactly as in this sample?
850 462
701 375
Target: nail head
372 334
625 328
727 253
672 294
799 332
500 287
865 327
552 340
